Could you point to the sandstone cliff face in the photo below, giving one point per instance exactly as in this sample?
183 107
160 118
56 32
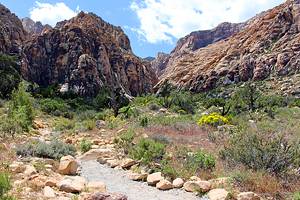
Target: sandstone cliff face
84 54
268 45
12 33
194 41
32 27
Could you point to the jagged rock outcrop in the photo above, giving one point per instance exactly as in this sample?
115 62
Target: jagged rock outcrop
12 33
32 27
268 45
83 55
194 41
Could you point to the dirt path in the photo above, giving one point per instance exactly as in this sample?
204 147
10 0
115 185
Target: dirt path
117 181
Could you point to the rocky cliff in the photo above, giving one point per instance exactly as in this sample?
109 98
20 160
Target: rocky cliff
12 33
32 27
194 41
268 46
83 55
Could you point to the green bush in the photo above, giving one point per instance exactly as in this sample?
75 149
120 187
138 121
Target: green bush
54 150
85 145
5 185
148 151
101 101
143 121
129 111
62 124
213 119
9 75
200 160
89 124
296 196
272 153
20 110
56 106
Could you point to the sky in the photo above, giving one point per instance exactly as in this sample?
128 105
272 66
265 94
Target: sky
152 25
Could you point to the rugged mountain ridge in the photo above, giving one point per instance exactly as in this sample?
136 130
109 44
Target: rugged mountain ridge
268 46
12 33
81 55
195 41
32 27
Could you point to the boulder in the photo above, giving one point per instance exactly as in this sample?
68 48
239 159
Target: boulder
94 154
197 186
154 178
127 162
218 194
51 182
113 163
96 186
178 183
138 176
48 192
17 167
248 196
195 178
29 170
68 165
100 124
106 196
164 185
72 184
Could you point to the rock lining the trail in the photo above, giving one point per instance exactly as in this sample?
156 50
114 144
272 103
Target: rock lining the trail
117 181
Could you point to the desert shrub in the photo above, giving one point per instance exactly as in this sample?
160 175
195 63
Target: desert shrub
9 75
148 151
144 100
223 103
259 152
85 145
57 107
270 103
294 103
5 185
168 170
161 139
86 115
20 108
89 124
154 106
213 119
296 196
125 140
113 122
62 124
170 120
129 111
54 150
143 121
101 101
200 160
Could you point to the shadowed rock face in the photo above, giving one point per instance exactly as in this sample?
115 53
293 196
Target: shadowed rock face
269 44
83 55
12 33
32 27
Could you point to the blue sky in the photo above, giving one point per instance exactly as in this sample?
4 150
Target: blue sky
152 25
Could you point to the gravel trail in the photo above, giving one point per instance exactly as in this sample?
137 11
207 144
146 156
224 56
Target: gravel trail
117 181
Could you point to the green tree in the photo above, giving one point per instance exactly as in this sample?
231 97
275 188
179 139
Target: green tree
21 107
9 75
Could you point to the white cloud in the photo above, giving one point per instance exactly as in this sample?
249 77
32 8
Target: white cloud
166 20
51 13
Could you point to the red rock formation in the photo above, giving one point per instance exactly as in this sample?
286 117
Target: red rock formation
268 45
84 54
194 41
12 33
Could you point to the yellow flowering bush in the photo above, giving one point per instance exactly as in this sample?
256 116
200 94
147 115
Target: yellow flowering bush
213 119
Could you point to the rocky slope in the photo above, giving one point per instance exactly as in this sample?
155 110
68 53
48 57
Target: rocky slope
12 33
194 41
267 46
83 55
32 27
